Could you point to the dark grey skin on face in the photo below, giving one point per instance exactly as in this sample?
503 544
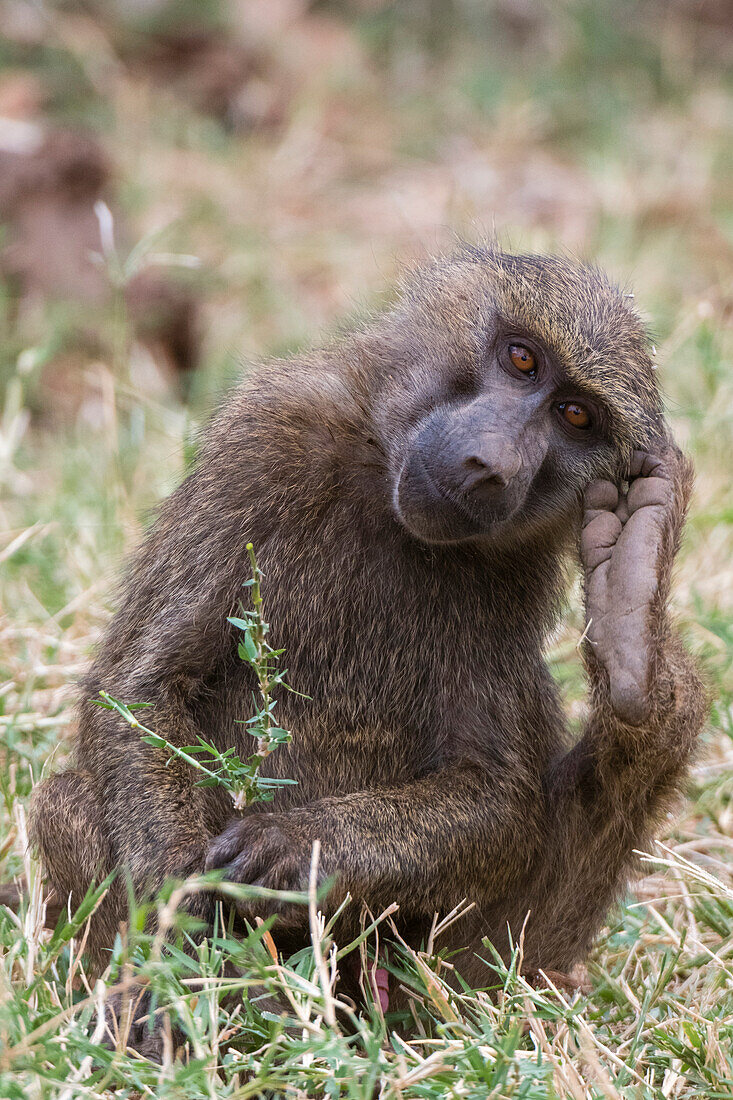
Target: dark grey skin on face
490 459
415 494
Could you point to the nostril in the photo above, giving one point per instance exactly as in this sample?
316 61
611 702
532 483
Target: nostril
481 478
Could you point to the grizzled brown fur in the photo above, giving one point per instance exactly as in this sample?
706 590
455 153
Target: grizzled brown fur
432 758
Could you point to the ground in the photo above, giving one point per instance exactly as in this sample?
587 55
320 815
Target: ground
361 138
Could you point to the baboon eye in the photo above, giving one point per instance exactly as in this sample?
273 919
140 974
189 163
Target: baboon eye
523 359
575 414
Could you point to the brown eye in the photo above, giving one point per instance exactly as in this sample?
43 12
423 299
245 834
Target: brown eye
523 359
576 415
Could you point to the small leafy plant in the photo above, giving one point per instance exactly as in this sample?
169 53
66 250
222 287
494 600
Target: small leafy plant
242 778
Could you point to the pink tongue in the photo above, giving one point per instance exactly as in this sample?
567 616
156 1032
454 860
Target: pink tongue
381 981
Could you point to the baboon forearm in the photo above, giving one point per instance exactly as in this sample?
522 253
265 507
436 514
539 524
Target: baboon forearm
620 777
605 798
423 838
647 701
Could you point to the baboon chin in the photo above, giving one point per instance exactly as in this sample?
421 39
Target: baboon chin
415 494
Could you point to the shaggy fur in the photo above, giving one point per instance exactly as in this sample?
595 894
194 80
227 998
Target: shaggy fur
432 757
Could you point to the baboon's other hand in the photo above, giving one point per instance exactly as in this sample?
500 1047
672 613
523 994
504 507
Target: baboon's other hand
268 850
627 548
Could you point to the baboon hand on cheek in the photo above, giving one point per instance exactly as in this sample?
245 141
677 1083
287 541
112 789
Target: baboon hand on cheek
627 548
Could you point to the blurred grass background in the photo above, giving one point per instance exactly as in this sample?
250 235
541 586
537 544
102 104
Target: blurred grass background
304 153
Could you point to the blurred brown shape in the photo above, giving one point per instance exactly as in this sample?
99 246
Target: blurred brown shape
243 67
202 65
711 13
221 66
577 981
49 185
21 94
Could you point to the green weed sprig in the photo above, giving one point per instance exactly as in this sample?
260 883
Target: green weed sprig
242 778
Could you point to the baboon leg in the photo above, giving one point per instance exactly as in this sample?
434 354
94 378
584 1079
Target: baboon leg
67 829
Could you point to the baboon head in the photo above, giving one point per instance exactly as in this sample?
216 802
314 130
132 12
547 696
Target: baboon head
519 379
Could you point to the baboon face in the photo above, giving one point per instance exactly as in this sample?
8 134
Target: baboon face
505 420
525 441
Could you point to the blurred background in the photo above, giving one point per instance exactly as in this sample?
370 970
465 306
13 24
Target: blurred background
188 186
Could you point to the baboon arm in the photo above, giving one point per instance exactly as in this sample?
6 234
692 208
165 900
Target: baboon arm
647 701
648 706
619 771
422 840
606 798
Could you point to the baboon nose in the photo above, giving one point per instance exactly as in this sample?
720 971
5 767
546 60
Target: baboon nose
482 479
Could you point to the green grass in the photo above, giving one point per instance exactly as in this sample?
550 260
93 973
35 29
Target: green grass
609 137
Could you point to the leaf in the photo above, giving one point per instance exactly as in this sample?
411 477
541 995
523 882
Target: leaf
66 928
250 649
155 740
241 624
278 736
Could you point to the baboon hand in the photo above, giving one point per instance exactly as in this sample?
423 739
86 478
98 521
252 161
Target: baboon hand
269 850
627 547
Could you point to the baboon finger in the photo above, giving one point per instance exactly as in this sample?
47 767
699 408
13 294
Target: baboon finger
600 495
598 538
646 464
622 510
648 492
225 847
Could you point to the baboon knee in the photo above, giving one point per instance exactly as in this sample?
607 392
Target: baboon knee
67 828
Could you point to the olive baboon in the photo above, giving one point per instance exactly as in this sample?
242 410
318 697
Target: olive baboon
414 494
